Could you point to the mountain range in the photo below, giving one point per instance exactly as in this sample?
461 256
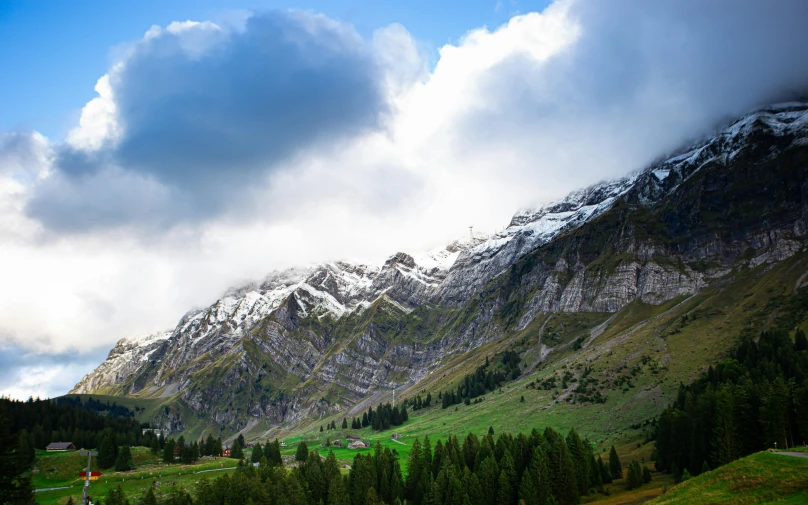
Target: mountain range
328 340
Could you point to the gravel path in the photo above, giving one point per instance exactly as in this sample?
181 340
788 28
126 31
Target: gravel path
795 454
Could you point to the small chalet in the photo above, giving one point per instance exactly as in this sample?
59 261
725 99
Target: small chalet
353 437
283 444
395 436
357 445
60 446
226 453
337 443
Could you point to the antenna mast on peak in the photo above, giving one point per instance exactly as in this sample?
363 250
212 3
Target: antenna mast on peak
471 233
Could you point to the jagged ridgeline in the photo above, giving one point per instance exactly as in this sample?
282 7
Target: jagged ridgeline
588 293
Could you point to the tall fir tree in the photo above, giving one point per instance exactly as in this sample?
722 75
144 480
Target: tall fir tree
302 452
257 453
123 462
15 483
614 464
168 451
106 451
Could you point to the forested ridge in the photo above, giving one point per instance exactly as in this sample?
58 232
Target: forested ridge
754 400
83 422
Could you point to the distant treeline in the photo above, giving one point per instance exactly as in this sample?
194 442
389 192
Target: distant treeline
754 400
542 468
40 422
482 381
380 419
418 403
180 451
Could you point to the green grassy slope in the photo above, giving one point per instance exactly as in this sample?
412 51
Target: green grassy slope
52 470
760 478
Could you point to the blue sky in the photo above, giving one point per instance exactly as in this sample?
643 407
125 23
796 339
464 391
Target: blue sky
52 52
213 153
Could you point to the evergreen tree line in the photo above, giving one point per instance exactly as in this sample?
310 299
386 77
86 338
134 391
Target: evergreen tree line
93 405
37 423
180 451
754 400
536 469
418 403
483 380
15 479
381 419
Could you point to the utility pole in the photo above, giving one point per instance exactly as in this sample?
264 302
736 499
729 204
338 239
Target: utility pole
85 497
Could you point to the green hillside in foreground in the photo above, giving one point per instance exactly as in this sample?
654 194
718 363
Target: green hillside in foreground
60 470
760 478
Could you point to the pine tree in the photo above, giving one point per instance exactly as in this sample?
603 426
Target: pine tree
774 413
148 497
562 469
155 446
15 484
489 479
302 452
237 451
800 341
605 474
580 459
106 452
272 451
614 464
634 476
646 474
337 494
504 490
123 462
725 432
344 423
168 451
257 453
116 496
527 489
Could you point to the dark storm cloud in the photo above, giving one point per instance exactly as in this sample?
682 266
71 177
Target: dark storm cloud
207 115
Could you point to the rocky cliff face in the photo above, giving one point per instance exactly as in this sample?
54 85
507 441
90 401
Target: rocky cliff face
310 341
